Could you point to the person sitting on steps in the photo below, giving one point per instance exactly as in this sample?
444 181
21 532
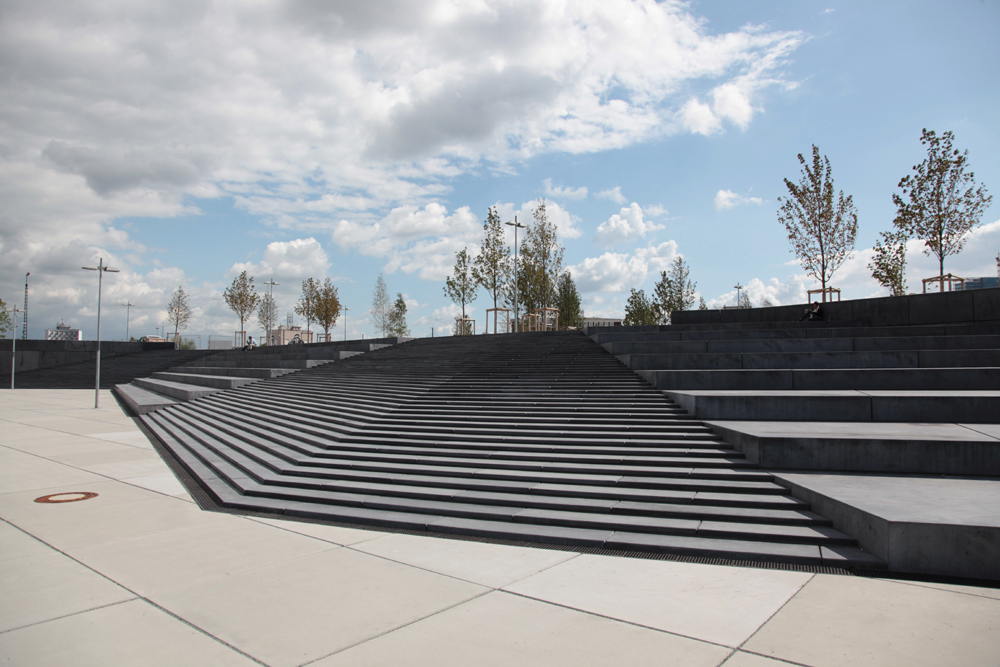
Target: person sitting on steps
250 344
814 314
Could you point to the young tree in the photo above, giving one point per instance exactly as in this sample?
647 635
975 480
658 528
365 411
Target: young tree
568 302
397 318
267 315
381 307
639 309
241 297
822 231
541 261
461 287
701 303
743 301
306 307
493 265
889 262
674 291
179 310
327 306
941 203
6 323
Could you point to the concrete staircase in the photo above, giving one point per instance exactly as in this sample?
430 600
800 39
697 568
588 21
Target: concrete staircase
117 369
214 372
528 437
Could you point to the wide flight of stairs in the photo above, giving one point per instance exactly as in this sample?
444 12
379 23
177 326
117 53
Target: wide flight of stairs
529 437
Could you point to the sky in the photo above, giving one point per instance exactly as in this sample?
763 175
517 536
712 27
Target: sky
185 142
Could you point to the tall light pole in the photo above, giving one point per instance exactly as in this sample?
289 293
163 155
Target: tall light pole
738 287
345 321
24 333
128 308
101 270
270 293
13 348
516 225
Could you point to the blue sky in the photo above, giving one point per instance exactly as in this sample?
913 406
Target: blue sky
188 141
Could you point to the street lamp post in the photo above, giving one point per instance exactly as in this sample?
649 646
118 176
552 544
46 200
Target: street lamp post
128 308
13 348
268 338
516 225
345 321
738 287
24 333
101 270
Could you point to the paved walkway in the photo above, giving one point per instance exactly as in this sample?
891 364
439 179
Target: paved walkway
140 576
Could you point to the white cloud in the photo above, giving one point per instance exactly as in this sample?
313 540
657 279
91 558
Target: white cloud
732 102
567 193
624 227
655 210
290 260
614 194
697 117
619 272
727 199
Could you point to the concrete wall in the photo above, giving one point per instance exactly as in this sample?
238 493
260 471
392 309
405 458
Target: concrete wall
34 354
974 306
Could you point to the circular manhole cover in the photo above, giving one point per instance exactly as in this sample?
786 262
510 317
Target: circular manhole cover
68 497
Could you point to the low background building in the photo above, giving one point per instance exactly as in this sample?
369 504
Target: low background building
63 332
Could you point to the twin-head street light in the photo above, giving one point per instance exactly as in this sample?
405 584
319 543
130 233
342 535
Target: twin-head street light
516 225
128 307
13 347
738 288
101 270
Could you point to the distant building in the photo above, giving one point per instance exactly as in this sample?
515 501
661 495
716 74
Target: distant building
63 332
285 333
601 322
978 283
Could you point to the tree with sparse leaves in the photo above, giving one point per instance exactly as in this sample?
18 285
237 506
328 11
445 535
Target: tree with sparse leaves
568 302
821 228
326 306
267 315
306 307
381 308
674 291
940 203
6 323
179 310
888 264
701 303
241 297
540 261
639 309
461 286
397 318
492 267
743 301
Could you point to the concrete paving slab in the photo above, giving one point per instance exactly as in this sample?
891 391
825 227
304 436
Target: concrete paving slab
161 482
501 629
924 524
17 505
333 534
979 591
132 633
721 605
291 613
744 659
15 543
49 585
196 554
100 524
836 621
492 565
20 472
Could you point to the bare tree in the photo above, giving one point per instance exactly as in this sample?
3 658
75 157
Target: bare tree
381 308
179 310
267 315
306 307
941 203
674 291
241 297
461 286
821 230
327 306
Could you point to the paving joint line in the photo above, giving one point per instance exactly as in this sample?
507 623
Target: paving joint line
139 596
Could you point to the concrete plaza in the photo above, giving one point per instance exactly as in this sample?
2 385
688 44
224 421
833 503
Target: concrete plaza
139 575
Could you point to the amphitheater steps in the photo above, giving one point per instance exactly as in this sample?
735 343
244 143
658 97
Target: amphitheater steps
534 437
